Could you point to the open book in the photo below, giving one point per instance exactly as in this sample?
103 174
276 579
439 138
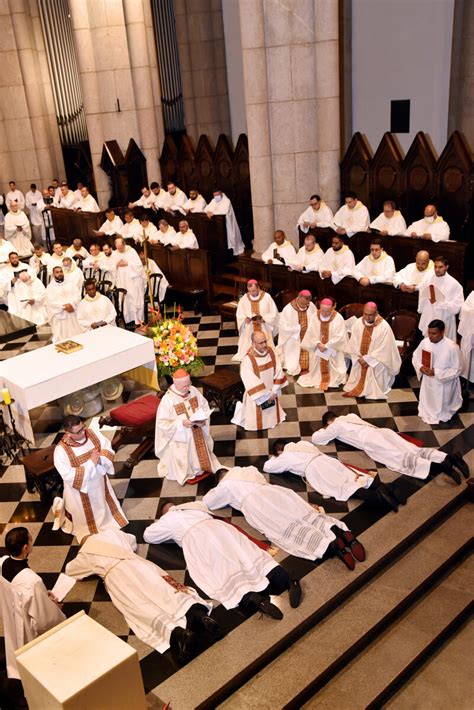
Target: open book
199 415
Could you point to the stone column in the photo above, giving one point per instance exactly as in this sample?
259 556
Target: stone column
461 90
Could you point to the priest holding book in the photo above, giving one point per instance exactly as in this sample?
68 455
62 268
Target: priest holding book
440 298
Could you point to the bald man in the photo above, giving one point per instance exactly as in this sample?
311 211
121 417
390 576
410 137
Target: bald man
280 251
432 226
414 275
292 326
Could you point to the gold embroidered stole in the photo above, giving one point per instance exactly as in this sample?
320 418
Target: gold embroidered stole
303 323
364 349
198 435
324 337
255 309
257 369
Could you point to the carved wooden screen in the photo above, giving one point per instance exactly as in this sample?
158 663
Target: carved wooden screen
419 167
355 168
186 163
386 176
135 166
169 162
241 182
223 157
453 186
204 162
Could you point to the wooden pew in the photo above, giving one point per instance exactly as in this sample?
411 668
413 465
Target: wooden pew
188 272
69 225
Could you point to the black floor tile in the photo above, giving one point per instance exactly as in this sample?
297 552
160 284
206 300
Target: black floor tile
310 400
11 491
144 488
30 512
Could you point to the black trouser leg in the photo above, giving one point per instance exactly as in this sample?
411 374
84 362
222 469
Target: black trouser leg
194 615
278 581
251 601
369 494
436 468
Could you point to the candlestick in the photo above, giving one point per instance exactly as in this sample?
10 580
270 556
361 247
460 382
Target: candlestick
6 396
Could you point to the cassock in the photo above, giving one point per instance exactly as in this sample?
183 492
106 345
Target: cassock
20 240
152 602
129 230
87 204
323 217
286 251
234 238
262 375
308 260
466 330
263 305
130 278
352 220
392 225
63 324
24 291
327 368
221 561
439 229
280 514
440 395
293 324
378 271
184 452
449 297
26 612
112 226
89 499
381 444
326 474
376 344
195 206
411 276
153 268
340 263
95 310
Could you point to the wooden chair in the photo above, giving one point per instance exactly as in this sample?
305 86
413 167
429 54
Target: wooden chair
91 273
404 325
283 298
228 310
117 296
155 283
352 310
105 287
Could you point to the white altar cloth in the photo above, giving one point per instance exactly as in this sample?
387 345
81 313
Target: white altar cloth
43 375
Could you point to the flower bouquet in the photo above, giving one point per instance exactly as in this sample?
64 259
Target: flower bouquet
175 346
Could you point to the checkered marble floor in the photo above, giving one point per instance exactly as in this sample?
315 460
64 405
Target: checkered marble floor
141 491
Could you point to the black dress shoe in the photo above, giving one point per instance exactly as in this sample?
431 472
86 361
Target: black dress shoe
396 493
460 464
340 550
183 645
269 609
211 626
449 471
295 593
386 497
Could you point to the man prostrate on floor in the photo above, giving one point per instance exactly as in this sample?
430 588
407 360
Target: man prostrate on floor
282 516
263 378
160 611
256 312
222 561
84 460
293 324
375 357
182 440
326 342
388 447
437 363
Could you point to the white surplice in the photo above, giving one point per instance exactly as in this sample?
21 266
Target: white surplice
111 226
382 445
234 238
440 395
130 230
188 240
166 237
446 308
152 607
153 268
262 375
23 292
392 225
20 240
95 310
63 324
87 204
73 252
36 263
175 444
378 271
288 521
411 276
75 277
322 217
352 220
221 561
286 251
340 263
262 305
15 196
174 203
67 201
290 336
466 330
439 229
336 346
308 260
129 277
196 206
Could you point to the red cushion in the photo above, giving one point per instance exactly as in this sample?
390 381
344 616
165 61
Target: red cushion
199 477
140 411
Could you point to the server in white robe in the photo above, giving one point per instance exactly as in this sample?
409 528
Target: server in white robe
195 204
155 606
147 231
26 607
466 331
14 267
40 258
108 263
146 199
62 300
182 440
352 217
14 195
131 229
338 261
293 324
440 298
221 561
150 267
318 214
87 203
166 233
414 276
174 199
84 460
27 299
309 256
77 251
256 311
57 256
17 230
432 226
128 275
378 267
281 251
73 274
184 238
389 222
159 196
66 198
288 521
263 378
220 204
326 342
32 197
375 357
95 310
437 362
112 225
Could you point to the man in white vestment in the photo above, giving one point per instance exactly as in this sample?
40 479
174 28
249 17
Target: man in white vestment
326 342
87 203
220 204
108 263
281 251
166 232
293 324
84 460
57 256
18 231
184 238
432 226
27 608
77 191
146 200
14 195
352 217
9 276
147 231
5 249
440 298
112 225
44 208
77 251
378 267
288 521
73 274
66 198
92 261
174 199
318 214
27 299
95 310
150 267
221 561
263 378
159 196
62 299
40 258
14 266
437 363
256 311
375 357
160 611
131 229
195 204
57 188
386 446
309 256
389 222
128 275
466 331
414 276
182 440
32 197
338 261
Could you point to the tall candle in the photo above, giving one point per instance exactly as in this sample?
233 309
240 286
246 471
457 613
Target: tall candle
6 396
